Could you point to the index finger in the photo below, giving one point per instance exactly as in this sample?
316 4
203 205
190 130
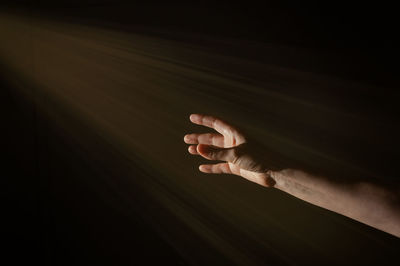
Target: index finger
213 122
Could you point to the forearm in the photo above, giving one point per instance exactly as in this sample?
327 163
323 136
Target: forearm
366 203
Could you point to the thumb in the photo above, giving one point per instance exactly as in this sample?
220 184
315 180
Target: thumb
214 153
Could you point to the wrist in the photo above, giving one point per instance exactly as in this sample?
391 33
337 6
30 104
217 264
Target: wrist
280 178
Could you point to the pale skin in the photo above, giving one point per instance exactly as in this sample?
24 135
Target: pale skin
366 202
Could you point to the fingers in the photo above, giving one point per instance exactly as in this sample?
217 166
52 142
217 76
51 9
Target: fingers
214 139
193 149
214 153
227 168
219 168
212 122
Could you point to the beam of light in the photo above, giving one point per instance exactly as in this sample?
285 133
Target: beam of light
135 92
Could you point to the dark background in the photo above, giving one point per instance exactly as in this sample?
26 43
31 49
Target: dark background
364 33
44 226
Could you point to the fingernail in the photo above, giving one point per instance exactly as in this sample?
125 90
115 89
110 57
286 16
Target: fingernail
186 138
191 150
192 117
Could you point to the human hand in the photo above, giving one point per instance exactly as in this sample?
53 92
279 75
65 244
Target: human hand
241 156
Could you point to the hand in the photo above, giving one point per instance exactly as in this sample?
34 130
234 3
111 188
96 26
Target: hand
248 159
241 157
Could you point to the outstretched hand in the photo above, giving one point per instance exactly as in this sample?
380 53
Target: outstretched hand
253 162
228 144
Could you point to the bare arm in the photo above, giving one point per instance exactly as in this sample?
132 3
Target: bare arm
365 202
